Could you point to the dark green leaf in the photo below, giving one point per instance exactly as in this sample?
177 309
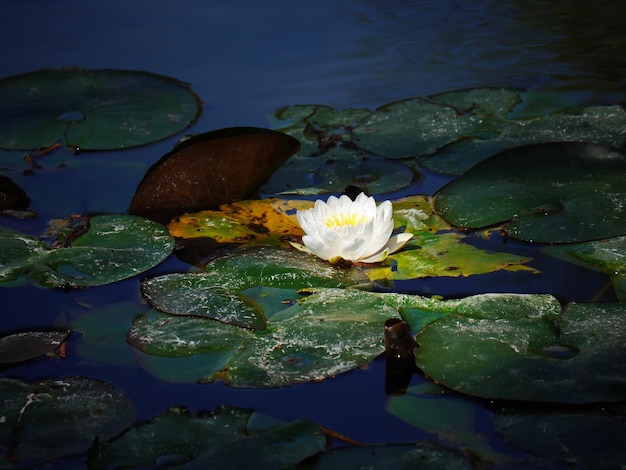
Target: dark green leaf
19 347
92 109
523 348
55 418
551 193
115 247
221 440
588 438
216 292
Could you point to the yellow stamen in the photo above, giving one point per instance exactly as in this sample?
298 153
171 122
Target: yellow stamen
338 220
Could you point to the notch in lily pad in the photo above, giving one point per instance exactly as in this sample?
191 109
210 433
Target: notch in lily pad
104 109
546 193
210 169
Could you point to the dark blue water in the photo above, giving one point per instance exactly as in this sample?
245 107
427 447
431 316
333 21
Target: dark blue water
246 59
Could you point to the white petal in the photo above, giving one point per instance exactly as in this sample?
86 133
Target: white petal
376 257
398 241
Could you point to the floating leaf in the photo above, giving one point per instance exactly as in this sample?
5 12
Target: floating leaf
244 222
211 169
19 347
523 348
18 253
336 169
115 247
92 109
215 293
414 127
55 418
551 193
444 255
223 439
435 250
313 337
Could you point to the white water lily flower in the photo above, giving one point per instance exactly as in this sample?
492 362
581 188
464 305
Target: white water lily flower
356 231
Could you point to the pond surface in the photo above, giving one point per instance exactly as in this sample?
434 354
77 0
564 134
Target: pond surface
245 60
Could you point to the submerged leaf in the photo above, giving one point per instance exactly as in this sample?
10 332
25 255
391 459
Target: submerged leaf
210 169
550 193
223 439
92 109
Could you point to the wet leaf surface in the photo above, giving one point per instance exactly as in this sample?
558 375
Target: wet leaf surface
524 348
216 293
92 109
115 247
211 169
310 338
547 193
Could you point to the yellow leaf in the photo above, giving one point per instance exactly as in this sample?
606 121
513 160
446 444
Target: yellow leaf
246 222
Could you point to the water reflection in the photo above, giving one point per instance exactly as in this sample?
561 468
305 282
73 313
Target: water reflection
451 44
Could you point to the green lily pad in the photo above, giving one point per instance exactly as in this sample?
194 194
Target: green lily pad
54 418
523 348
18 253
336 169
319 128
115 247
23 346
537 118
412 128
549 193
607 256
590 438
314 337
225 439
92 109
215 293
